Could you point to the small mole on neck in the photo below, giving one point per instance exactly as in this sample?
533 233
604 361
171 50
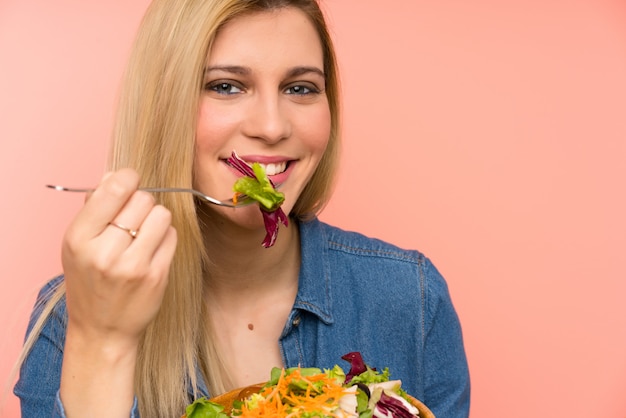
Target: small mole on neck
251 327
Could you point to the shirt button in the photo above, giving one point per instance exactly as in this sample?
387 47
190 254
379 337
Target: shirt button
296 321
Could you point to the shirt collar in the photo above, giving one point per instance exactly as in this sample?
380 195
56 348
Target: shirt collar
314 289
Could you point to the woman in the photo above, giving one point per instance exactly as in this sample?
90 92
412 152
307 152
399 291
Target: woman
192 304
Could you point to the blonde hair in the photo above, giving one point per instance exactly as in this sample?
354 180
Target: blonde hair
155 135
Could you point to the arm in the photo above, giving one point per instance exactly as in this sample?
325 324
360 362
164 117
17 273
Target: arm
447 385
40 372
97 375
115 282
114 286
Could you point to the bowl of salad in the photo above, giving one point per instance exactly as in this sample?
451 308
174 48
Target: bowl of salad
363 392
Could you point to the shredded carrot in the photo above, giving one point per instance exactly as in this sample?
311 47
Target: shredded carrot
280 402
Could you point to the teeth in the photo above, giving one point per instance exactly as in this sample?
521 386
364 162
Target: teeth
273 169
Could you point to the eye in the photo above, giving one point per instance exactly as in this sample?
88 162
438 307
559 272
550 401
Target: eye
301 90
223 88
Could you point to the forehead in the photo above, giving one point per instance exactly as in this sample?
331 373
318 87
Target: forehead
282 36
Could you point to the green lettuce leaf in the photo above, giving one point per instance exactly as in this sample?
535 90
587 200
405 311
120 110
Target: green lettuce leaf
203 408
260 189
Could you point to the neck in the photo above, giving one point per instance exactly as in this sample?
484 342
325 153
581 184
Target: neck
241 266
250 291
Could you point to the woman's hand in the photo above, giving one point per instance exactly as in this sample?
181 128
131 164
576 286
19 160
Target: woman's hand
115 282
114 287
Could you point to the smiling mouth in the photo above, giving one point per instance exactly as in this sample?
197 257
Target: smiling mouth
274 168
270 168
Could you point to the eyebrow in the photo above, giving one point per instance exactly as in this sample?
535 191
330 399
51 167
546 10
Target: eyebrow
240 70
235 69
294 72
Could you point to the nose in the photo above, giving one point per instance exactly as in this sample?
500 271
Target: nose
267 119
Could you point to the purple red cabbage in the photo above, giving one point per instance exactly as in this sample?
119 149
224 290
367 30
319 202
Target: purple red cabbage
357 365
389 405
271 218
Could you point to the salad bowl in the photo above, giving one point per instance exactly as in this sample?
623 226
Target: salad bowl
311 391
227 399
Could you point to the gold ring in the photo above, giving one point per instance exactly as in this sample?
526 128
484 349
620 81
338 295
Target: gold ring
131 232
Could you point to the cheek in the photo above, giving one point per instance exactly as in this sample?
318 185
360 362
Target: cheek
318 130
209 134
204 131
213 128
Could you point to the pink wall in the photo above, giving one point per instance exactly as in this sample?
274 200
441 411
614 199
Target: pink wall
490 134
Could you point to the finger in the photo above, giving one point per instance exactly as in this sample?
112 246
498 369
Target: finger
130 218
104 177
164 254
107 251
105 203
117 235
156 244
152 233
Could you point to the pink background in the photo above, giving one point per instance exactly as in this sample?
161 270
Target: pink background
489 134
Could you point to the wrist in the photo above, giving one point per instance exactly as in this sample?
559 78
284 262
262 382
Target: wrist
109 348
97 375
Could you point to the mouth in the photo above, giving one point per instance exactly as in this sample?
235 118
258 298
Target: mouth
271 168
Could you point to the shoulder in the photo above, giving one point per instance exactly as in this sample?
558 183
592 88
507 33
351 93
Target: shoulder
49 290
369 257
50 302
50 287
351 244
40 370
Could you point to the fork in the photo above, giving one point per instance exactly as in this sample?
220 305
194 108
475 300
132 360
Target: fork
242 200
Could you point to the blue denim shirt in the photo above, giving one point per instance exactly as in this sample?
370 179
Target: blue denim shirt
355 294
